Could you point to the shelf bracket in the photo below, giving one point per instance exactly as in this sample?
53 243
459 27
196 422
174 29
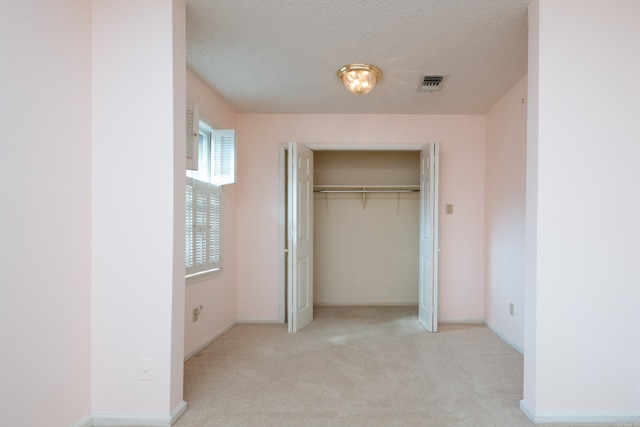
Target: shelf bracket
364 198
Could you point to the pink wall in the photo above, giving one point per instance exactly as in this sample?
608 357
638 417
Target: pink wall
462 179
582 346
217 295
45 187
505 173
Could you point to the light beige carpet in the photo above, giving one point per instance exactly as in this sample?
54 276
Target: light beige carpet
364 366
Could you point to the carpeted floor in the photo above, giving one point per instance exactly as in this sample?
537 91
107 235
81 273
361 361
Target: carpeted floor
363 366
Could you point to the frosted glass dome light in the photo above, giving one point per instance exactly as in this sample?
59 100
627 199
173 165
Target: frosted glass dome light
360 78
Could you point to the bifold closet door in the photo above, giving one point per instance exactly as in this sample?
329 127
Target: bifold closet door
428 286
300 237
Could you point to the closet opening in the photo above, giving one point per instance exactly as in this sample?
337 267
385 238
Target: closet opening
358 230
366 222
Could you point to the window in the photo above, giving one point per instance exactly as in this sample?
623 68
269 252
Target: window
216 155
212 167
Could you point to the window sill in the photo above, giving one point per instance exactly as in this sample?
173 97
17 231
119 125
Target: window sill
202 276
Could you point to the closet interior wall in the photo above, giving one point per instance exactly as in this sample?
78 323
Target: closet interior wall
366 227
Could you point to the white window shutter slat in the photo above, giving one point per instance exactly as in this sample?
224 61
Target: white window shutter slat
193 128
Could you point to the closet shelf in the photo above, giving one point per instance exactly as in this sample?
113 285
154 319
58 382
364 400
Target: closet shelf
366 188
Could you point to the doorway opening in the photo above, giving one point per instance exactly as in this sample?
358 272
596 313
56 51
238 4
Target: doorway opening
359 228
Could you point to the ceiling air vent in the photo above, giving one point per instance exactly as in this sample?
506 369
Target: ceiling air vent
430 83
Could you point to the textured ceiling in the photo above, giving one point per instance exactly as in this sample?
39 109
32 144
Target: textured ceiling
281 56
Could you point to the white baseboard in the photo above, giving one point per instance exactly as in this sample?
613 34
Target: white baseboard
178 411
505 339
209 341
268 322
84 422
527 410
461 321
147 420
578 417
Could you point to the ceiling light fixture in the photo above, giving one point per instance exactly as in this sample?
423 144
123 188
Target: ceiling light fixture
359 78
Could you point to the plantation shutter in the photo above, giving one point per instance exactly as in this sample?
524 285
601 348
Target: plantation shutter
223 156
188 257
200 224
193 128
204 251
214 231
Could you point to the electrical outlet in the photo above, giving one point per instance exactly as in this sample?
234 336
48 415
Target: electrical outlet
511 309
449 209
145 367
196 313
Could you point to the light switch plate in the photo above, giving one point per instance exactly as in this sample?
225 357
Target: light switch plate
145 369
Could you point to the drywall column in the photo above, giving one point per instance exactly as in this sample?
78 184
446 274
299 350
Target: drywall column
138 210
582 334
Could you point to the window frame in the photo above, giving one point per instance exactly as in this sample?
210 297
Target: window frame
202 179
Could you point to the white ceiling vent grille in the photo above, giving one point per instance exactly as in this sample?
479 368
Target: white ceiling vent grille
431 83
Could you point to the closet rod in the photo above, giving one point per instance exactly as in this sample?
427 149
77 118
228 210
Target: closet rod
366 191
